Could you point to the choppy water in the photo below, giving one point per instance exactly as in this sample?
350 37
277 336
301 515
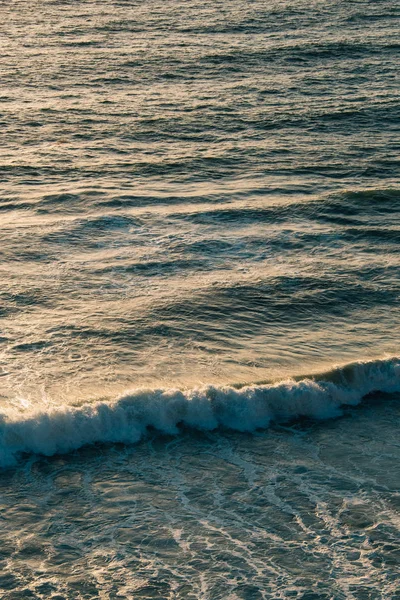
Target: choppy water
200 227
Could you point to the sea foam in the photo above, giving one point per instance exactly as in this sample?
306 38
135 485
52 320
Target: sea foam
60 429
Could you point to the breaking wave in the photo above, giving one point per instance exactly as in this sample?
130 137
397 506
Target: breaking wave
126 419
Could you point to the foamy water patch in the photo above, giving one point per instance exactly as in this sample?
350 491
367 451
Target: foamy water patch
55 429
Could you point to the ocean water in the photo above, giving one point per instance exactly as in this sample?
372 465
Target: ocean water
199 300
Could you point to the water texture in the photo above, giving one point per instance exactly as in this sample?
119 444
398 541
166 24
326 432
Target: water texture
199 299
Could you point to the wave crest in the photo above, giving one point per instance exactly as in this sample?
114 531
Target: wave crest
64 428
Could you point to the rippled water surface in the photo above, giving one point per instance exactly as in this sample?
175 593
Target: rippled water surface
199 210
308 511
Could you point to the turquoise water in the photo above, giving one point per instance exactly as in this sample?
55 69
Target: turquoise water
199 363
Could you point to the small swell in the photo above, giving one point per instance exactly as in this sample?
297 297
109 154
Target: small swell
64 428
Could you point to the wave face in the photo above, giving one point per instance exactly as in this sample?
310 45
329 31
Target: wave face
125 420
238 284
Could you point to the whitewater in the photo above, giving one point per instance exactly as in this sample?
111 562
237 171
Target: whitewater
199 300
49 430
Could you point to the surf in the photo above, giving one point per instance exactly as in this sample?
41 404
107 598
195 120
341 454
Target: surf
61 429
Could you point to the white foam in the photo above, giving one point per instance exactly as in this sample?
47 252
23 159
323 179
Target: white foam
126 419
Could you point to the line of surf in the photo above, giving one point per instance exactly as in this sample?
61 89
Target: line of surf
60 429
